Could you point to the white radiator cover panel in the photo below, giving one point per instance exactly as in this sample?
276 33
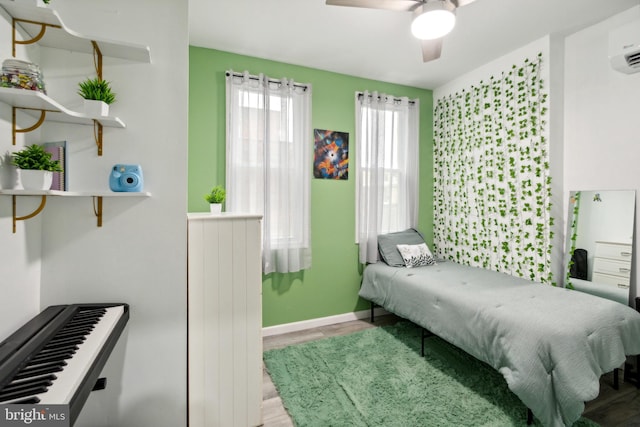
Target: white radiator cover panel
225 320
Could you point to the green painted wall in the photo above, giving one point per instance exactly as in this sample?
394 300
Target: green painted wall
331 286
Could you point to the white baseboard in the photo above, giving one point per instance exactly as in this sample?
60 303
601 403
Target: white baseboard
322 321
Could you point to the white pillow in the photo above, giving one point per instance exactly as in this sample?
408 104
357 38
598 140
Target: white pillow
416 255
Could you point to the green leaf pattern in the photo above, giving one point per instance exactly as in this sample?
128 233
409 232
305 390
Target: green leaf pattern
416 255
492 185
574 206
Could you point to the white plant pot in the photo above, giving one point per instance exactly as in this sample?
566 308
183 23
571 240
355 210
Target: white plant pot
215 208
93 108
36 179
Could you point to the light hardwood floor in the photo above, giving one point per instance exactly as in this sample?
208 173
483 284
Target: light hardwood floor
612 408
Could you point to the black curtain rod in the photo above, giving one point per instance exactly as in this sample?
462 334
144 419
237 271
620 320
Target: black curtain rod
277 81
361 94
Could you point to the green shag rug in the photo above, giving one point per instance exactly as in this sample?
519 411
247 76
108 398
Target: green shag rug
377 378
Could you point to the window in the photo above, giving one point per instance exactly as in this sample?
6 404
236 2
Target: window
268 168
386 168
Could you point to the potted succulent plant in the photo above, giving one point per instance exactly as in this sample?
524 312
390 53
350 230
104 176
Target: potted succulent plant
97 96
36 167
216 197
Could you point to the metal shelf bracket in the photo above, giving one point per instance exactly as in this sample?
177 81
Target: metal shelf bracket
97 62
17 218
97 209
14 127
15 41
97 135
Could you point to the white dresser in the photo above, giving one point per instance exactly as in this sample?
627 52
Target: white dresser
224 320
612 264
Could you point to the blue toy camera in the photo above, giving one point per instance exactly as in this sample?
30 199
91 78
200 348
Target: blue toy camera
125 178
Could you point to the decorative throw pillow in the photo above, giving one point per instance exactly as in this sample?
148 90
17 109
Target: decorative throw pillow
388 245
416 255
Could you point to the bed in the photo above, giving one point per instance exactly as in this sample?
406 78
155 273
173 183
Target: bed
550 344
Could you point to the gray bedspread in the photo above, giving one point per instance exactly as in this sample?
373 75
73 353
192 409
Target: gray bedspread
550 344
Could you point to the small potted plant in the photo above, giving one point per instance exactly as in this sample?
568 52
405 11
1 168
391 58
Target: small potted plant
36 167
97 96
216 197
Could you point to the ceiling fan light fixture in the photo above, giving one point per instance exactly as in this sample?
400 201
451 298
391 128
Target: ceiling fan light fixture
433 20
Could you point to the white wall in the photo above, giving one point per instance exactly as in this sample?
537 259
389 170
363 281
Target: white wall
601 143
496 67
138 256
20 252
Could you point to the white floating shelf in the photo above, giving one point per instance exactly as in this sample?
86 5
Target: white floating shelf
73 193
32 99
66 38
43 194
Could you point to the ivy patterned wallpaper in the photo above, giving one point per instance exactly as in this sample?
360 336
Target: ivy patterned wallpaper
492 195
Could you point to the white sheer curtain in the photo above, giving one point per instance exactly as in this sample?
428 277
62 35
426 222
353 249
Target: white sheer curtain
269 164
387 130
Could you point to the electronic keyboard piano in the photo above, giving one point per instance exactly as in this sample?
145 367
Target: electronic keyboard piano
57 356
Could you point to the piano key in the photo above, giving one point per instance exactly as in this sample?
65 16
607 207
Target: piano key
74 332
90 312
86 322
64 343
86 319
28 401
28 373
60 354
26 390
26 381
26 349
32 367
29 339
63 388
14 385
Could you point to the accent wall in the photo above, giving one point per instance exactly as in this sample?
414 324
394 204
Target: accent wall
330 286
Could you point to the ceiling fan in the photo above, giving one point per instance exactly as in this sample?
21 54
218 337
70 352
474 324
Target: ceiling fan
433 19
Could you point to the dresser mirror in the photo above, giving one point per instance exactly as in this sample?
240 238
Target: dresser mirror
600 243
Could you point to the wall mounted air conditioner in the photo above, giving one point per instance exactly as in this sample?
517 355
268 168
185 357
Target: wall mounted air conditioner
624 48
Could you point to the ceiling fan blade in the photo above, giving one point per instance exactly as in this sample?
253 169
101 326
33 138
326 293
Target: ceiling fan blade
397 5
431 49
459 3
